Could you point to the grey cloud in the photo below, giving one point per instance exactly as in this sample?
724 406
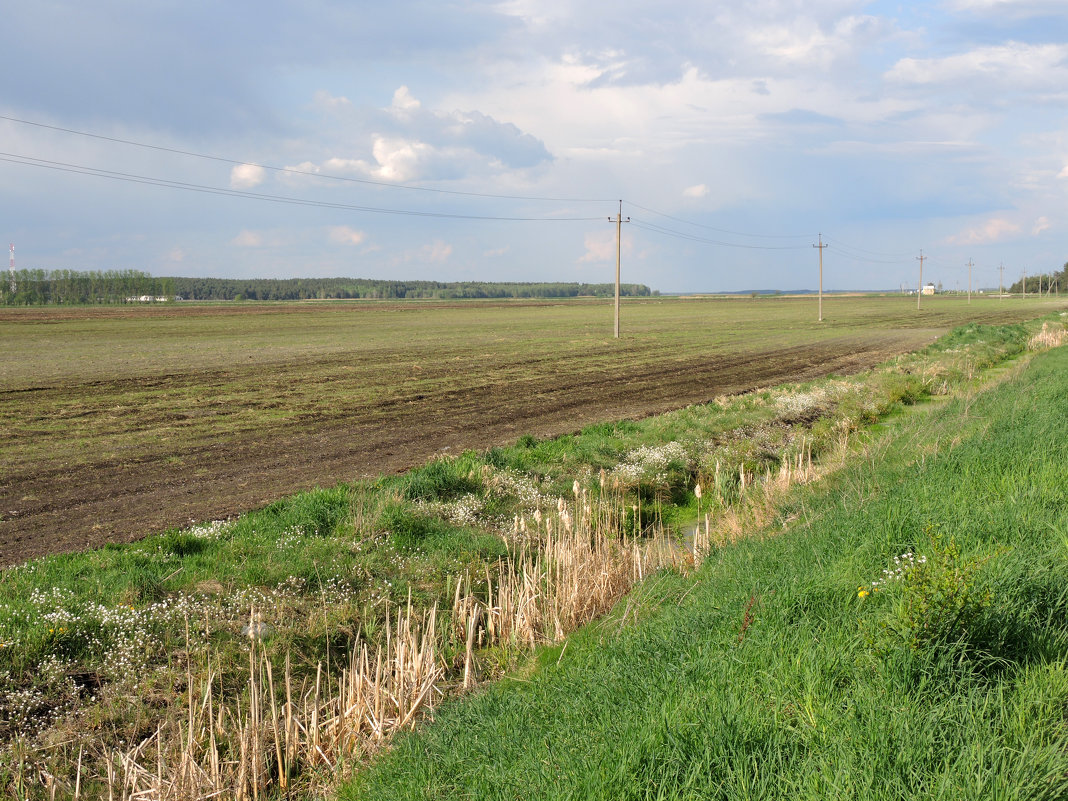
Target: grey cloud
204 67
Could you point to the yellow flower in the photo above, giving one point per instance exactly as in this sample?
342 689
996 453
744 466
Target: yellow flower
862 594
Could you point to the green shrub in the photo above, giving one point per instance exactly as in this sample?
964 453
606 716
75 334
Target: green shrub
935 600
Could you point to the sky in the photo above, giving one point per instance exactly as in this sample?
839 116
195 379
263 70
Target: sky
456 140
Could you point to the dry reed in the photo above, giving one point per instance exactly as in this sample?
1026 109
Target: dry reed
571 566
1051 336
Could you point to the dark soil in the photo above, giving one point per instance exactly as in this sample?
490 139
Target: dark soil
53 508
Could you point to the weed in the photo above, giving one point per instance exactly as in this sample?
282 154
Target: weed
932 600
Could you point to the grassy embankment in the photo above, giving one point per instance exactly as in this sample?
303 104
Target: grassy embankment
101 649
906 636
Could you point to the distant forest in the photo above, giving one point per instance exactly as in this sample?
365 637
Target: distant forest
1042 282
69 287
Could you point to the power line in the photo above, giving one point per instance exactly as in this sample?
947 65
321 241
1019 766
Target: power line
852 256
80 169
657 229
295 171
713 228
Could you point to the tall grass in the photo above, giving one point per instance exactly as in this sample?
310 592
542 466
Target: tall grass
253 743
906 635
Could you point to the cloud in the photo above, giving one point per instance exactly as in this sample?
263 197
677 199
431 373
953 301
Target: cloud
1010 8
247 239
402 159
326 101
495 253
1041 224
601 246
1063 173
993 230
699 190
1014 64
407 142
246 176
437 252
344 235
403 100
176 255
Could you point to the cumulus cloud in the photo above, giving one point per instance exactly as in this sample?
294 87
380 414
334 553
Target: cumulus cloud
408 142
401 159
993 230
247 239
698 190
344 235
1041 224
246 176
403 100
1063 173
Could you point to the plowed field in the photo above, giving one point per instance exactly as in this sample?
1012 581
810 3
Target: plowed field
121 422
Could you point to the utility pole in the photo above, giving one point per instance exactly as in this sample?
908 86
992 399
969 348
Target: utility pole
1001 281
919 291
1023 284
12 268
970 280
619 247
821 246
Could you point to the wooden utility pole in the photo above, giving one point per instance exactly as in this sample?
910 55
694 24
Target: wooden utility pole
619 248
970 280
821 246
1023 284
919 291
1001 281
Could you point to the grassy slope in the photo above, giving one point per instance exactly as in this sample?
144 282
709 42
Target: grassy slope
949 683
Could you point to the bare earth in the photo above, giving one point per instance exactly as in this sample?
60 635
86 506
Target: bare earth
50 508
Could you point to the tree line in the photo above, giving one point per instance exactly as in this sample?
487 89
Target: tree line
1042 281
70 287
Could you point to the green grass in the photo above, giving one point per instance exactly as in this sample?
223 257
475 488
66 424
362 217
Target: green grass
320 567
768 675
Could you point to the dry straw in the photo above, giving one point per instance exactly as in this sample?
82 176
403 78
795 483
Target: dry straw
1051 336
571 566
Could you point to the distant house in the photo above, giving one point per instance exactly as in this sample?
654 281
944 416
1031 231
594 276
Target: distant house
929 289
